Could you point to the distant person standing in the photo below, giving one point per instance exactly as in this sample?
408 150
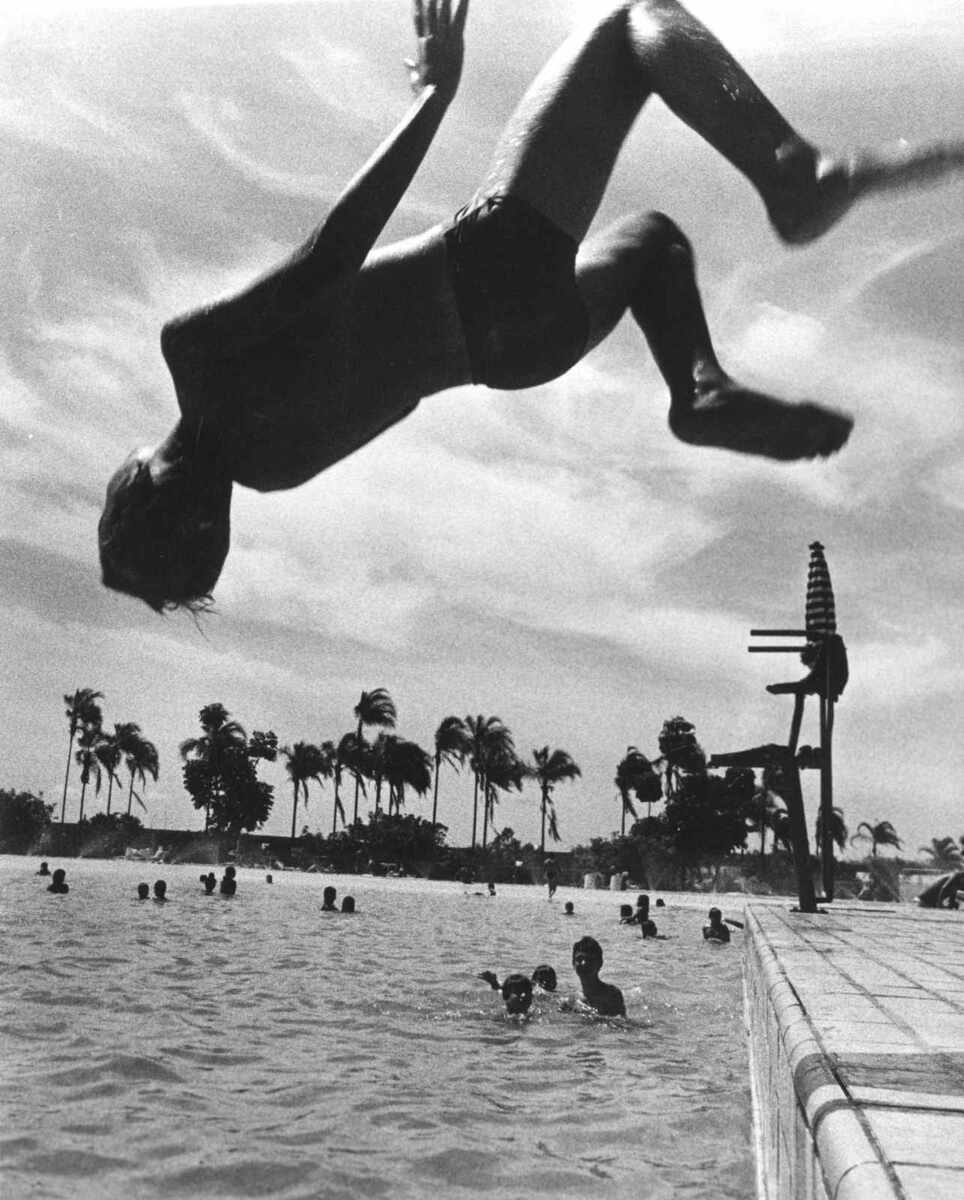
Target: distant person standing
552 877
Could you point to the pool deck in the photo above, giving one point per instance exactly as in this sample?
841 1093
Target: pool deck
857 1051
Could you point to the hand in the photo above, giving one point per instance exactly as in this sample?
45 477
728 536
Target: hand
439 45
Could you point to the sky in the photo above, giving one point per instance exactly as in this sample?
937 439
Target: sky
552 557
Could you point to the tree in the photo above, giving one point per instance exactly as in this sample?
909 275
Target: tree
86 756
944 854
839 832
109 754
140 758
343 753
550 767
635 774
452 745
375 708
23 818
880 834
406 764
82 711
489 739
681 753
220 738
220 774
706 814
303 761
502 772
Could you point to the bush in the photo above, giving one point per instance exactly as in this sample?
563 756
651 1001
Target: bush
23 819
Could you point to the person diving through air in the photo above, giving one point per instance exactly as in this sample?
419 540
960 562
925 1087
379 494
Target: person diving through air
325 351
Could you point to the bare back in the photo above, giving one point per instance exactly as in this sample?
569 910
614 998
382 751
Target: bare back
291 394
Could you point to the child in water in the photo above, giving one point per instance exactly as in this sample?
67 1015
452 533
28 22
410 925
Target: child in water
603 998
59 886
716 931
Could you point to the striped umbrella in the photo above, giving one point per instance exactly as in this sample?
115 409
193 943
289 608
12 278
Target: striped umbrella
821 619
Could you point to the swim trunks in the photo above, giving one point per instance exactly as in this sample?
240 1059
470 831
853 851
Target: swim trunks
513 275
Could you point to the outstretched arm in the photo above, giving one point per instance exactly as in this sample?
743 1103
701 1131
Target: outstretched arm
363 209
338 247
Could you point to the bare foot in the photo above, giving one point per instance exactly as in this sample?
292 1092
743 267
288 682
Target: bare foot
816 191
735 418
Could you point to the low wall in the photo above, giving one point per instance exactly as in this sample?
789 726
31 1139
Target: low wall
810 1143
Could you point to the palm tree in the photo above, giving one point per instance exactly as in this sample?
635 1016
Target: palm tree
374 708
342 755
220 735
452 744
681 752
109 755
82 711
550 768
406 764
140 757
881 834
944 853
303 761
839 832
502 772
635 773
86 756
488 738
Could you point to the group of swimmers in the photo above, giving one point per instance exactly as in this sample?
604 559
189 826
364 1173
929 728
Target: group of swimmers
587 959
595 994
228 887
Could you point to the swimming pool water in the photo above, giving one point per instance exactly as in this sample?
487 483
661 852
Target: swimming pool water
258 1047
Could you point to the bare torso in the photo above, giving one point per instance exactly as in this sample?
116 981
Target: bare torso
306 390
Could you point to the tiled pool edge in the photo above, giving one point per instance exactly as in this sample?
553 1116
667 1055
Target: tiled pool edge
810 1141
856 1034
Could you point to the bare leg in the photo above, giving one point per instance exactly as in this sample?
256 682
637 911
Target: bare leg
560 146
646 264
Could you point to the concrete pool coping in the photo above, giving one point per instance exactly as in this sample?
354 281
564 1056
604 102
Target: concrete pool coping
856 1023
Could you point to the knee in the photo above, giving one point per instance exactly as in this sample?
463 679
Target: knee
648 235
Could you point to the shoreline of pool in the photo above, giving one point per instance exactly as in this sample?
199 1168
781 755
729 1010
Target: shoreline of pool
856 1036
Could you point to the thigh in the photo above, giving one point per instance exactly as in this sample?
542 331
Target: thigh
559 147
612 264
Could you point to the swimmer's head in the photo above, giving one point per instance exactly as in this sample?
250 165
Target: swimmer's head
164 537
230 872
143 891
517 993
59 875
625 912
210 883
587 955
348 904
160 890
715 916
643 902
545 977
328 896
570 909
